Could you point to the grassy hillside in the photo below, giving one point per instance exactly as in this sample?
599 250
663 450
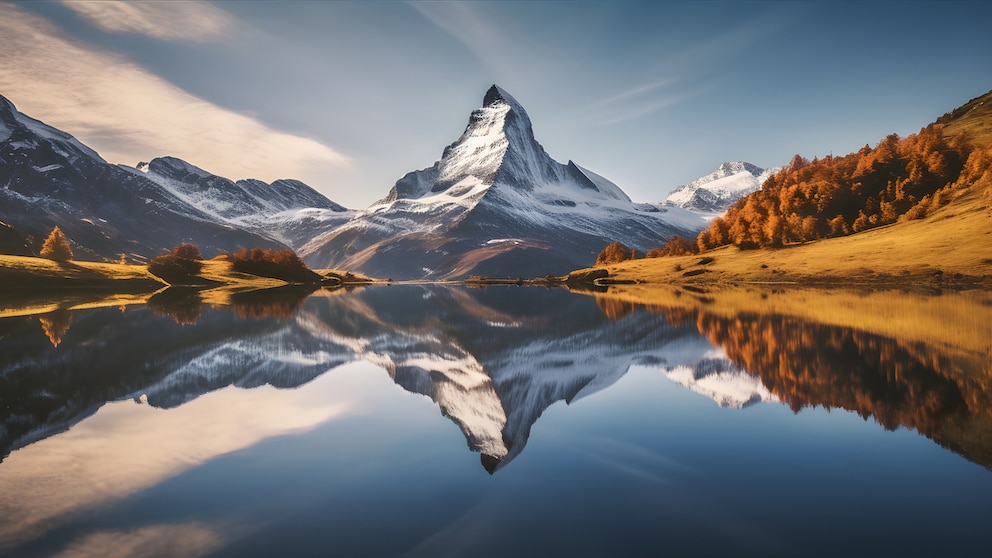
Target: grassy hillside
973 118
950 247
28 273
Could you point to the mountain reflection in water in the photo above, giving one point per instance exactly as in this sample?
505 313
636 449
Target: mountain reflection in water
492 360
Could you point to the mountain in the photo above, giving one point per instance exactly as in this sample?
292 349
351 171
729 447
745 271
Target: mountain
286 210
716 192
48 178
495 204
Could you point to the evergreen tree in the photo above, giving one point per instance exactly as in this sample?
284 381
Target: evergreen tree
56 247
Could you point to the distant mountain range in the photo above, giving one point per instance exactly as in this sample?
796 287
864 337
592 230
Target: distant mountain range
48 179
495 204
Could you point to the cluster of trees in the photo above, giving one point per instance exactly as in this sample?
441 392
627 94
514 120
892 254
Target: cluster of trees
676 246
618 252
837 196
279 264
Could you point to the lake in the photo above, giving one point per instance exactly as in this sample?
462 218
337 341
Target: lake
420 420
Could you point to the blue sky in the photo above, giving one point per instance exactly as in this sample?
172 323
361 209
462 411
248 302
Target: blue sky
350 96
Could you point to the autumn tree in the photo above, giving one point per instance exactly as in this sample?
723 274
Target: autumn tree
56 247
187 251
614 253
56 325
179 267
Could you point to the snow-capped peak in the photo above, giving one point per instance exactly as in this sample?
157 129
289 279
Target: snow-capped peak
716 192
498 147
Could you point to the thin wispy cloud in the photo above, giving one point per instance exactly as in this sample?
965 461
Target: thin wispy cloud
128 114
472 30
692 64
636 101
633 92
169 21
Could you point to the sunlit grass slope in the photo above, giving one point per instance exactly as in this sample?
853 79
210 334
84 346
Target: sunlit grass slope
951 247
973 118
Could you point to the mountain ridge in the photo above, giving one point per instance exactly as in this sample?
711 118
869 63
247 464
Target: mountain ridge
49 178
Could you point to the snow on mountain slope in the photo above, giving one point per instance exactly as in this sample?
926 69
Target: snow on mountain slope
495 203
287 210
716 192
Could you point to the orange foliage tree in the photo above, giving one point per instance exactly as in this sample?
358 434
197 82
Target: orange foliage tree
614 253
187 251
56 247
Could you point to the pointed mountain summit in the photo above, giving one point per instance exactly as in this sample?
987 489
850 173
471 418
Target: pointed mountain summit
495 204
497 147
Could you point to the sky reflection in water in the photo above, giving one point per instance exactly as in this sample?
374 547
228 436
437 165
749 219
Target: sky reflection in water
316 431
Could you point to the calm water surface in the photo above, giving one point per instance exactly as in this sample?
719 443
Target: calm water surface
432 421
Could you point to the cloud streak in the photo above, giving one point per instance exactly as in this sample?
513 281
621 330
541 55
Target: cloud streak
129 114
168 21
467 27
634 102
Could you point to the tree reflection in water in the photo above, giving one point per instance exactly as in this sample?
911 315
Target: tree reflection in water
943 393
